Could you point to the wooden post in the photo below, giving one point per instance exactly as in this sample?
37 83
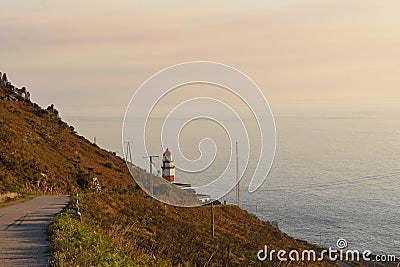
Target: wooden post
212 220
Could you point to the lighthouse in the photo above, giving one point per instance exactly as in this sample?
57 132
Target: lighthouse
168 167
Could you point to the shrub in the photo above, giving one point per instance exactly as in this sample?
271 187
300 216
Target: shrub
109 164
53 110
83 180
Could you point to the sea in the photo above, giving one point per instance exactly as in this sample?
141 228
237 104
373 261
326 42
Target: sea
334 176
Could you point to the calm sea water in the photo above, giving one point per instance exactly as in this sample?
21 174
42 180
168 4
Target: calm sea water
333 177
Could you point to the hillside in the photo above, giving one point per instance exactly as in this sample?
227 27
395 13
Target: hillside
41 154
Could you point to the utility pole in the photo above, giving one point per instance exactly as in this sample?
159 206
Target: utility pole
128 152
212 219
151 175
237 175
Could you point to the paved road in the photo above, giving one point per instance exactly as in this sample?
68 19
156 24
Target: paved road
23 230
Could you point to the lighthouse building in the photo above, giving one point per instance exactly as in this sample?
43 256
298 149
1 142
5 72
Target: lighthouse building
168 167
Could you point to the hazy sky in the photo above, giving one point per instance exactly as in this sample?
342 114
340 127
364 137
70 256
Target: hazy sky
88 57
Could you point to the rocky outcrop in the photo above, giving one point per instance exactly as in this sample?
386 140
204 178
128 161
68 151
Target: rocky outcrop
13 92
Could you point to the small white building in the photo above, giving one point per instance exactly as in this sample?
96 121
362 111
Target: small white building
204 198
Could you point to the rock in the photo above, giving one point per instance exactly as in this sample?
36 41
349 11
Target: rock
23 93
4 80
14 91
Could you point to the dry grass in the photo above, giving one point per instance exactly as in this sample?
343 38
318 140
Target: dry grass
35 141
182 236
41 154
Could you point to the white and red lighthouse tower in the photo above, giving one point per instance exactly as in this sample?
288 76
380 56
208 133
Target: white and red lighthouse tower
168 167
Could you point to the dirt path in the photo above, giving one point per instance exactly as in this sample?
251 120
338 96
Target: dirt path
23 230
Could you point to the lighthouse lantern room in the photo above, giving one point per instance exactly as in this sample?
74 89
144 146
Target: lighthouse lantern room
168 167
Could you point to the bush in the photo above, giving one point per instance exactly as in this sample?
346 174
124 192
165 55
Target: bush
83 180
53 110
109 164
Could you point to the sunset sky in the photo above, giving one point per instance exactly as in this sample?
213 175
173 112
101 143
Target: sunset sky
88 57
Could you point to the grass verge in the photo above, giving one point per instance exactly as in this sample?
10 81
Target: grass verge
21 198
76 243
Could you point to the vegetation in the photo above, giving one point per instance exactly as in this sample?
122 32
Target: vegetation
109 164
81 244
6 201
41 154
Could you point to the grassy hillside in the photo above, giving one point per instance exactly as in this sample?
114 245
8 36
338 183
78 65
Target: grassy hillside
40 153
